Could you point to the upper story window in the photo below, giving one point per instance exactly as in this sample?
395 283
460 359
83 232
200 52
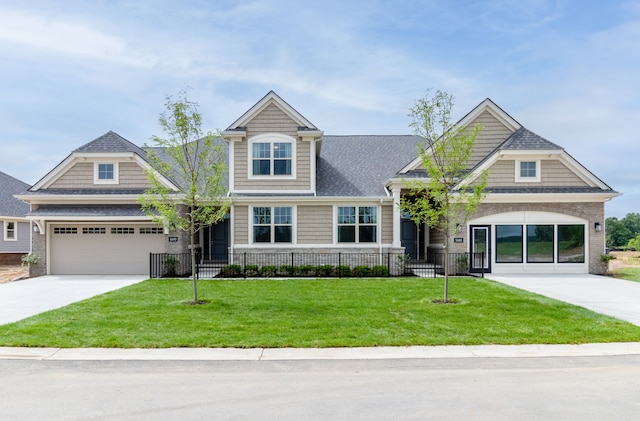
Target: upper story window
105 173
10 233
357 224
272 156
527 171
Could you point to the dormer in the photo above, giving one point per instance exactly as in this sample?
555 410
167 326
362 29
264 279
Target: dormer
272 149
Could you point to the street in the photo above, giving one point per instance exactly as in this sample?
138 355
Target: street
580 388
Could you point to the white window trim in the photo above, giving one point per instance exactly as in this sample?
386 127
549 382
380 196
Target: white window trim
116 173
6 230
272 243
535 179
271 138
378 225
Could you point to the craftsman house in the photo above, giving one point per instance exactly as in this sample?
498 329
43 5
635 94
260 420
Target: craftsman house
297 189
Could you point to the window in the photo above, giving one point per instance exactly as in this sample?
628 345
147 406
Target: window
272 158
527 171
105 173
10 233
509 243
123 230
540 244
357 224
272 225
94 230
151 230
65 230
570 243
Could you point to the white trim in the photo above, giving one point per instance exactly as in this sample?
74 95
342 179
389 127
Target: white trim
272 138
294 231
374 244
271 98
518 171
96 173
232 166
5 225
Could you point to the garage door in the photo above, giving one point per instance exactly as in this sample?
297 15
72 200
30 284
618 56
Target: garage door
104 249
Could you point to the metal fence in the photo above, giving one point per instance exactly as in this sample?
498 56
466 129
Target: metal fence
301 264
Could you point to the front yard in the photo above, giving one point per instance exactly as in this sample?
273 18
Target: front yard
315 313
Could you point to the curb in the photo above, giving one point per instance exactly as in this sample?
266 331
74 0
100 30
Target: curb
287 354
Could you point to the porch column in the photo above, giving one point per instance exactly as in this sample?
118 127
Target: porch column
396 217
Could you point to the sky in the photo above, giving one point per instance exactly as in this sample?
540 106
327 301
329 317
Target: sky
567 70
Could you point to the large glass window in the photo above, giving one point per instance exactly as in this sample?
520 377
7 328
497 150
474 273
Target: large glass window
570 243
272 225
357 224
272 158
540 243
10 231
527 169
509 243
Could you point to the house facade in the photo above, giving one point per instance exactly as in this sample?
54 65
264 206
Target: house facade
15 235
296 189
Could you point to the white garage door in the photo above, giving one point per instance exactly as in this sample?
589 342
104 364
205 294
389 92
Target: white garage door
103 249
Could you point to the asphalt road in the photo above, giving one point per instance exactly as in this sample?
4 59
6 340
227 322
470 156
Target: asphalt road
576 388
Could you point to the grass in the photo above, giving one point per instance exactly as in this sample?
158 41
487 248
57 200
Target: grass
628 273
315 313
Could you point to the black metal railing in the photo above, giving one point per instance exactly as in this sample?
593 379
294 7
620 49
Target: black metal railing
307 264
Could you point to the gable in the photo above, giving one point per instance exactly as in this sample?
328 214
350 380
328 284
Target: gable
272 119
80 175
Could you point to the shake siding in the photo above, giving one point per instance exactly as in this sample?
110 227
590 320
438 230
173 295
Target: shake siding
387 224
272 120
240 224
315 224
493 133
554 174
80 175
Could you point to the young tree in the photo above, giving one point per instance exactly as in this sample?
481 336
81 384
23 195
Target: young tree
444 201
196 162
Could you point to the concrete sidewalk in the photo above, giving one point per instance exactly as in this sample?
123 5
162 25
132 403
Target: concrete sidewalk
289 354
602 294
28 297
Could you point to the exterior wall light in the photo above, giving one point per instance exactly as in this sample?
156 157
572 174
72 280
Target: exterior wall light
598 226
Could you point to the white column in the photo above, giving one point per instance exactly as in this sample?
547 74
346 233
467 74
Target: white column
396 217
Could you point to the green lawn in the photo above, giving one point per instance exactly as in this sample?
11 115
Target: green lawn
630 274
315 313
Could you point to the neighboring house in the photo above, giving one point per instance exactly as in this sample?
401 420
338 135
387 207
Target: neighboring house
15 236
297 189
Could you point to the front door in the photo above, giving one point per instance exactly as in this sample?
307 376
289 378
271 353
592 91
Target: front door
480 248
409 237
218 241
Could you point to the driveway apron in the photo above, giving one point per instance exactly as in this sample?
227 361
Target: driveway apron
28 297
602 294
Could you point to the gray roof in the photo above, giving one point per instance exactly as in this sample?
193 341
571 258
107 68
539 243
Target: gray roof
9 205
550 190
84 192
88 210
360 165
524 139
111 142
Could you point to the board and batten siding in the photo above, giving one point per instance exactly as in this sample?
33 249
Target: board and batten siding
553 173
80 175
272 120
315 224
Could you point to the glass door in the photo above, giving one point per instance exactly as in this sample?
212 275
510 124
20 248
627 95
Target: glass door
480 248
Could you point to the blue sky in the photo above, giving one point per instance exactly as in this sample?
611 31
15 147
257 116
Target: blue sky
567 70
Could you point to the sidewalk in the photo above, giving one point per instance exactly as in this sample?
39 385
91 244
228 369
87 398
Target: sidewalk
281 354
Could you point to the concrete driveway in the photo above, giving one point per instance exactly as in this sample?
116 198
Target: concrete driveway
602 294
22 299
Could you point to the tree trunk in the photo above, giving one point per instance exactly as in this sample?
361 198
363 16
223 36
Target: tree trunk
192 232
446 266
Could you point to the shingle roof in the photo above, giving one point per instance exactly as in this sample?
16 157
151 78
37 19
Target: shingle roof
9 205
88 210
111 142
360 165
549 190
524 139
84 192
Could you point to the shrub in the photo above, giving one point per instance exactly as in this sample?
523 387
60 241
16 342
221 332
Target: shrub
380 271
343 271
361 271
307 270
231 271
251 270
268 271
325 270
288 270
